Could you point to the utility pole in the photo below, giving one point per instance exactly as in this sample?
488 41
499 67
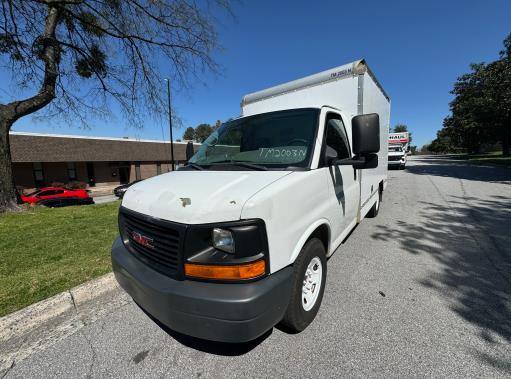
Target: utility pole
170 126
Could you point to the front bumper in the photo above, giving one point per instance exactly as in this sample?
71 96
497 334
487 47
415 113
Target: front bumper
225 312
396 163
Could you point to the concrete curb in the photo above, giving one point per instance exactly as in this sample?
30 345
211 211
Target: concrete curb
42 324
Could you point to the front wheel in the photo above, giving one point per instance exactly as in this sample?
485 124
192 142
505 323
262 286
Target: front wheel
309 276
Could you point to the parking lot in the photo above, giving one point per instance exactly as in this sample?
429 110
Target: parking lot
424 289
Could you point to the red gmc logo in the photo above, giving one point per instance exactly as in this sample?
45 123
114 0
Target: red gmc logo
142 240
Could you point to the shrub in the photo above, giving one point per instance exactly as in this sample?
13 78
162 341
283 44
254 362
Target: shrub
75 184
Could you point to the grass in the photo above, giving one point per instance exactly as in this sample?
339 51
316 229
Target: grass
44 251
494 157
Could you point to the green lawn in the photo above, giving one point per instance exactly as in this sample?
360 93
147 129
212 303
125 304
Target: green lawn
45 251
494 157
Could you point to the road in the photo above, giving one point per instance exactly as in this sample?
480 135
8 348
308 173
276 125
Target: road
423 290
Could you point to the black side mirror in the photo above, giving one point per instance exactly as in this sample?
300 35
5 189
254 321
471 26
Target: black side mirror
330 155
366 133
360 162
189 150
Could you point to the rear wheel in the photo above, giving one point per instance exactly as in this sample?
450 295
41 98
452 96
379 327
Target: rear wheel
309 276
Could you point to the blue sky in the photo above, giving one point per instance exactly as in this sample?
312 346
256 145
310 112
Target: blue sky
416 49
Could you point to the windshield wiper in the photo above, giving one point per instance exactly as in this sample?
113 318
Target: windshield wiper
243 164
195 166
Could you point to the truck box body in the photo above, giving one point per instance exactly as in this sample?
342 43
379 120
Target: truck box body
352 89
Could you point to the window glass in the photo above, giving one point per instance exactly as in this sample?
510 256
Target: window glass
71 171
277 139
38 173
337 139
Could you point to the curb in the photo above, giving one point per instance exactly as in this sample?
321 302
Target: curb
42 324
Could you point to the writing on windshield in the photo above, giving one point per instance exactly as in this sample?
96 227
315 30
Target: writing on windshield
277 139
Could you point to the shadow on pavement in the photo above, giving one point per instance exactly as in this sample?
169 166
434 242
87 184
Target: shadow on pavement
211 347
444 166
470 240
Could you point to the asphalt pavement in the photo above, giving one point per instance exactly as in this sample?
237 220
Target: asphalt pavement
422 290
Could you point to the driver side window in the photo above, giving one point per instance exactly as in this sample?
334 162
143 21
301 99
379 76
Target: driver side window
337 139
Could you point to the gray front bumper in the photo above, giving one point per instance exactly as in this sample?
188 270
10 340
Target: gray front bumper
226 312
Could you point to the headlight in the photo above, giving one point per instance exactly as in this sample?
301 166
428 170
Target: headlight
223 240
227 251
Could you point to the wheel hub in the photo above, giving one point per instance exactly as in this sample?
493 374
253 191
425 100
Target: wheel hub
311 283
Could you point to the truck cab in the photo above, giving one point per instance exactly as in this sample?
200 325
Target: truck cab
397 156
238 239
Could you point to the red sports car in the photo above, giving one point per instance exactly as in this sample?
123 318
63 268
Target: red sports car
48 193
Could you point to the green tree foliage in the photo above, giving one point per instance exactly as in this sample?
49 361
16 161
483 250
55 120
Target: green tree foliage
400 128
189 133
217 125
202 132
481 109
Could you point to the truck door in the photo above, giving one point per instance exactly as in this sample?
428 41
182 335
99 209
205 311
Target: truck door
344 188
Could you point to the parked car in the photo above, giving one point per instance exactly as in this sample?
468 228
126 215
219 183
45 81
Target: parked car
48 196
238 239
121 190
65 202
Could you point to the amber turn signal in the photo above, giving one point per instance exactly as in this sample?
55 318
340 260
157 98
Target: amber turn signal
223 272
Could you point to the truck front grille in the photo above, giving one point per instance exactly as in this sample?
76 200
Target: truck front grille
395 157
155 242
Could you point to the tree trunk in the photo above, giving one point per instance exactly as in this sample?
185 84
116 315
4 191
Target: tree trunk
11 112
8 195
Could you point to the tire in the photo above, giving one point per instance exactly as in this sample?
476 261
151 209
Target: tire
402 167
373 212
302 308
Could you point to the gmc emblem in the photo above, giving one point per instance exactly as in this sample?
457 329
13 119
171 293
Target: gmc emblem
142 240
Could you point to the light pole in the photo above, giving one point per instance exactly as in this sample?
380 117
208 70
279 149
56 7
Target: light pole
170 125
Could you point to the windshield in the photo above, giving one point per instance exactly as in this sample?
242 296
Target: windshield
273 140
395 149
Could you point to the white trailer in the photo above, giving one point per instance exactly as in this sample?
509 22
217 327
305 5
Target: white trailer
238 239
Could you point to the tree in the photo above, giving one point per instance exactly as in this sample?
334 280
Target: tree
217 125
481 108
80 58
401 128
202 132
189 134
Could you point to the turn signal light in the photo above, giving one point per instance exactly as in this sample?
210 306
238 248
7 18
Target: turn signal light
223 272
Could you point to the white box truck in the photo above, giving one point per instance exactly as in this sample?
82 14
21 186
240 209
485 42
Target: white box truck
238 239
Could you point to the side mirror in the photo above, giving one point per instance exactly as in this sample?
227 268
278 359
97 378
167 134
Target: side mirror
367 161
366 134
361 162
330 155
189 150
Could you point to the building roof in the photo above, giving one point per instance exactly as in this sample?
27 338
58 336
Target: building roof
34 147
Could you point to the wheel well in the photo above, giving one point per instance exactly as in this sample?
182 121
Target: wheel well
322 232
380 186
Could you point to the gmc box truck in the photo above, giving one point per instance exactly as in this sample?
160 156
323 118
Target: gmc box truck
237 241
